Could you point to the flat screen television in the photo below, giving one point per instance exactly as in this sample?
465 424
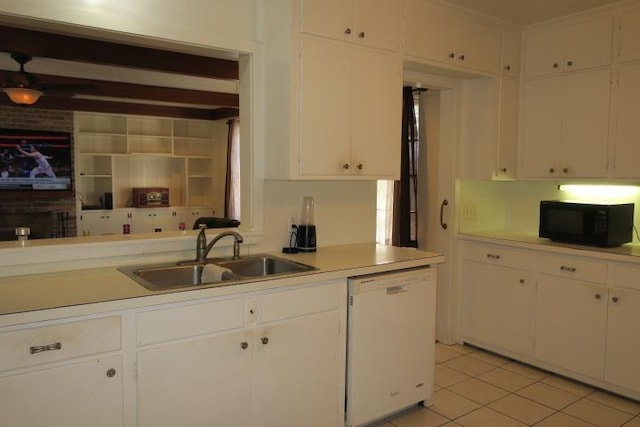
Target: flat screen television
35 162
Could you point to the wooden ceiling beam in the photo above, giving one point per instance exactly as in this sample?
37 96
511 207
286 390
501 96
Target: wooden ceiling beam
112 89
75 104
69 48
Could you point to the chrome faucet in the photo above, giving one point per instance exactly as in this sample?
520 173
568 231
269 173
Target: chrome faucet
203 249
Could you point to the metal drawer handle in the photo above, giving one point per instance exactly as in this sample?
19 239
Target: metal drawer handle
492 256
443 224
568 269
40 348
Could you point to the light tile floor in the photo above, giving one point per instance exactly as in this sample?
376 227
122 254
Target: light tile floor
475 388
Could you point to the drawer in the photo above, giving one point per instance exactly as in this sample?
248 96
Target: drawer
44 344
298 302
625 276
499 255
573 268
188 321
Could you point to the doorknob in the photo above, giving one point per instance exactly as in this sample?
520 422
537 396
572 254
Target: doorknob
443 224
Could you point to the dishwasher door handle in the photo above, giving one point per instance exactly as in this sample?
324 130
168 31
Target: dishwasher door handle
394 290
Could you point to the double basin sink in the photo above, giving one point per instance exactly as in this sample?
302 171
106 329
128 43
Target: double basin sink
190 273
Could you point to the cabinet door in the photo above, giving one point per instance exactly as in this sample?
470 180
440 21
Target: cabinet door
541 127
296 376
510 64
204 382
627 126
429 31
497 306
325 107
78 395
585 124
543 52
377 98
571 317
328 18
378 23
477 46
508 128
588 44
623 343
630 34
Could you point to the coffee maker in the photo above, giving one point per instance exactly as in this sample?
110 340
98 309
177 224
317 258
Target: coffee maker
306 230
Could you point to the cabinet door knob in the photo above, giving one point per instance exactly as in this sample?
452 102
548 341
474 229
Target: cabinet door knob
556 65
507 67
360 166
461 57
598 296
244 345
565 170
111 373
265 340
569 63
452 55
503 169
522 281
361 34
552 170
345 166
614 299
347 31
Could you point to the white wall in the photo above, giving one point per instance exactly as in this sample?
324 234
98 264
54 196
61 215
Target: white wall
345 211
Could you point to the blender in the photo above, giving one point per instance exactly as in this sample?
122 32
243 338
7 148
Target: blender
306 230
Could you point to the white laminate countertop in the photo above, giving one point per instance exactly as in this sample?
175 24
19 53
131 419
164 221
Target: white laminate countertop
625 253
46 296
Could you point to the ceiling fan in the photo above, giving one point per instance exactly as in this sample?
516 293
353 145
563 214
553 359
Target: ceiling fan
25 88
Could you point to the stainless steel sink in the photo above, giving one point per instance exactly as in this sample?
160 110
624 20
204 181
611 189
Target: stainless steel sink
263 265
189 273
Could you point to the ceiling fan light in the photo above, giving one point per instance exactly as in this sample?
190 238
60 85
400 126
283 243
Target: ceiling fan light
22 95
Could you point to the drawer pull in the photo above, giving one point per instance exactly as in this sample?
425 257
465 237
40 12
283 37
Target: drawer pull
111 373
568 269
492 256
244 345
598 296
264 340
40 348
614 299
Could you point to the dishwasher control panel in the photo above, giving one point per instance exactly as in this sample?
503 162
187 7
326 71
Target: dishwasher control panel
400 278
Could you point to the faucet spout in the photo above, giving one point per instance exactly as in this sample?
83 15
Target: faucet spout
203 249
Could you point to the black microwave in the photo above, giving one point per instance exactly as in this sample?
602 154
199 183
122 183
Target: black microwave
586 223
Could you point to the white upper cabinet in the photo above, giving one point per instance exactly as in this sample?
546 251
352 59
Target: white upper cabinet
436 33
565 126
568 48
347 96
510 64
630 34
627 125
374 23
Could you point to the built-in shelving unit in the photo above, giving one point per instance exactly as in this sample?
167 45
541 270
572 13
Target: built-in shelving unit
115 153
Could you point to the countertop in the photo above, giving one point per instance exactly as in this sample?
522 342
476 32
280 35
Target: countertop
626 253
45 296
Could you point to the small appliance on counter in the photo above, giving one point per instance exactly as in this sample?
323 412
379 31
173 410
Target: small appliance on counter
150 197
306 230
604 225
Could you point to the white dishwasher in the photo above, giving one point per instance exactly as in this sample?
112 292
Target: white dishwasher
390 343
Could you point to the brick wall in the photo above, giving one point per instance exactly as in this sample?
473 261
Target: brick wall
47 217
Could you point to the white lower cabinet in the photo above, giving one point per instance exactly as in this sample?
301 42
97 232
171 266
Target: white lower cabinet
623 341
576 315
269 359
197 383
571 318
497 307
497 298
68 374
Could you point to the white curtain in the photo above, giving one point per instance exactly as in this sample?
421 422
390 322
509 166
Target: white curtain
232 196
